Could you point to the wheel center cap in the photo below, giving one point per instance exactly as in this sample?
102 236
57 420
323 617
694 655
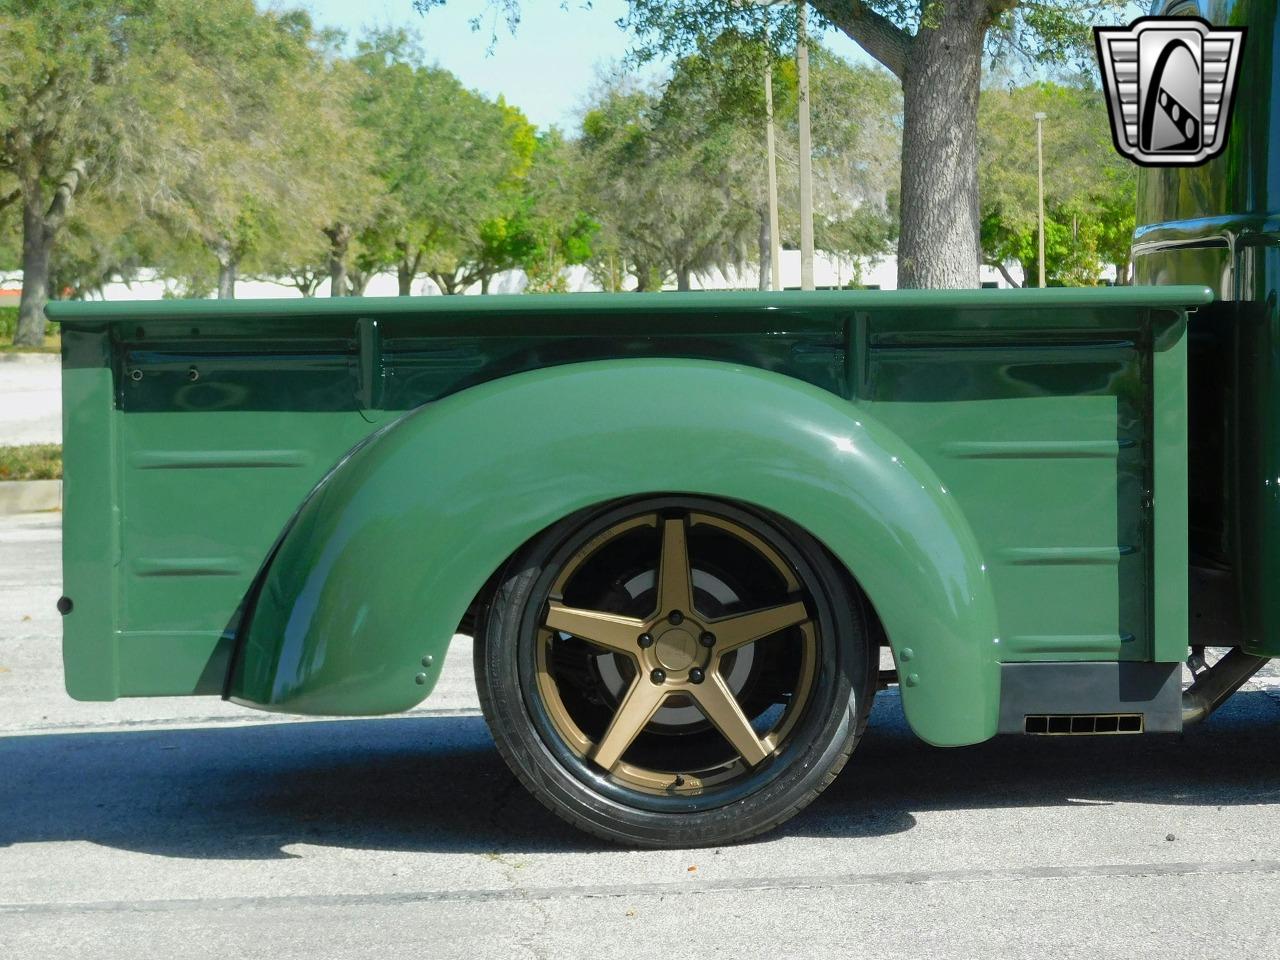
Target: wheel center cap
676 649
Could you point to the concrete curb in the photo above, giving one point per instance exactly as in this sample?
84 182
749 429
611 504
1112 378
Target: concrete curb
30 358
30 496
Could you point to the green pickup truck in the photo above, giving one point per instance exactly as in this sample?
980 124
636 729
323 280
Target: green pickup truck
682 527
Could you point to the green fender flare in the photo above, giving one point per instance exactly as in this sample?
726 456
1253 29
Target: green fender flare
355 609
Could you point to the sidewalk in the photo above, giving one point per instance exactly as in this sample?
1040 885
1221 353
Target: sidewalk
30 398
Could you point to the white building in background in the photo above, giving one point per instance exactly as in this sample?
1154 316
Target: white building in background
829 271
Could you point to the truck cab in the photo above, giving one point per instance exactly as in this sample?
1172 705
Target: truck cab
1216 225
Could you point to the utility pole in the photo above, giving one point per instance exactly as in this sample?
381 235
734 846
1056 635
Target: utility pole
1040 119
775 241
806 149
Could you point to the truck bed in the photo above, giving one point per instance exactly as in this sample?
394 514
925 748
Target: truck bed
195 429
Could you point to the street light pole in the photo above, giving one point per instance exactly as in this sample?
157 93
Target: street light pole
775 241
1040 119
806 149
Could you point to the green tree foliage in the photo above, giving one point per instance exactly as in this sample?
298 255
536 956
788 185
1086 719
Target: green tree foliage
451 163
210 118
10 228
486 237
93 96
219 138
545 229
336 193
857 142
107 240
665 174
936 49
679 178
271 174
1089 190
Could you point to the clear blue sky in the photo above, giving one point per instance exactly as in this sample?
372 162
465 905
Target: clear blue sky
546 69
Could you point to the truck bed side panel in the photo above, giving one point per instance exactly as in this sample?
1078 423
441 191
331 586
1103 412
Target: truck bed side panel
195 430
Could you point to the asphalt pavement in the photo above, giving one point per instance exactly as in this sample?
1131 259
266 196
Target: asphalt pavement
193 828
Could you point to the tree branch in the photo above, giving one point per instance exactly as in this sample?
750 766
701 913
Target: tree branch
996 8
61 203
874 32
1004 272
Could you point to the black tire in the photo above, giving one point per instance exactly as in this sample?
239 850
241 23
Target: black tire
820 737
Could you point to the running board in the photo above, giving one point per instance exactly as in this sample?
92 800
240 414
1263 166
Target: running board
1090 699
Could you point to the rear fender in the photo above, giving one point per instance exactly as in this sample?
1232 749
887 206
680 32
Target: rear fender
354 612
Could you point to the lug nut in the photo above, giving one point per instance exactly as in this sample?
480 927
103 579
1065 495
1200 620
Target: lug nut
675 618
658 676
645 640
708 639
696 675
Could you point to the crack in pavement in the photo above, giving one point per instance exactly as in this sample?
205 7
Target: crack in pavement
664 889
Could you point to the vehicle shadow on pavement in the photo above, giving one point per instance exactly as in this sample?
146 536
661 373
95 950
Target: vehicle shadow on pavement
1227 760
437 783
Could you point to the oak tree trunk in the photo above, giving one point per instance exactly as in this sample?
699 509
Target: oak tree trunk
407 268
684 280
358 281
40 227
339 243
228 264
227 281
939 243
449 284
940 67
37 249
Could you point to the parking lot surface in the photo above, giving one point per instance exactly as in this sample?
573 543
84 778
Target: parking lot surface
194 828
30 399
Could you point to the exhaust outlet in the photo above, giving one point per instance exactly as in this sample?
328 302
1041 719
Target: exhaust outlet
1213 686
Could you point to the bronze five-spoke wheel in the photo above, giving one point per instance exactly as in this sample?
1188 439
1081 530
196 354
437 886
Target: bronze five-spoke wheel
679 654
676 671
